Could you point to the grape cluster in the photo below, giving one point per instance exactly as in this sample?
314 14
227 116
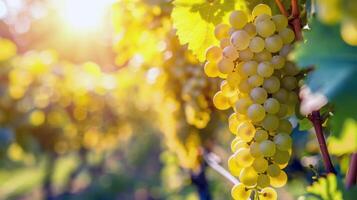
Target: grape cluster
260 87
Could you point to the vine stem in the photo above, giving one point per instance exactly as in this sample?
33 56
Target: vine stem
351 176
315 118
296 21
281 8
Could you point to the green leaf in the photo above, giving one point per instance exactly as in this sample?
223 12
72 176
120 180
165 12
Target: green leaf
336 69
330 188
347 143
195 21
305 124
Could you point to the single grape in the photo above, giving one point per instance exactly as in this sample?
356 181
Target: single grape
270 122
258 95
281 157
254 150
264 55
261 9
248 176
279 181
268 193
281 95
293 98
233 166
261 17
260 135
256 112
225 66
243 157
283 141
213 54
273 43
246 55
267 148
290 69
287 35
220 101
230 52
280 22
221 31
285 50
278 61
250 29
271 84
265 28
249 68
265 69
273 170
246 131
285 126
256 44
233 79
211 69
238 19
240 192
272 106
263 181
289 82
283 111
255 80
240 39
260 164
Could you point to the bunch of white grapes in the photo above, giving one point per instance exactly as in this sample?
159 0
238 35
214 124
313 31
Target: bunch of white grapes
260 85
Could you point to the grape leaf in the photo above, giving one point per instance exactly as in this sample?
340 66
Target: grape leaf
195 21
336 69
347 143
305 124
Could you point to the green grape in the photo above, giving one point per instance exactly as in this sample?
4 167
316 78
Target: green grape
213 54
242 105
256 112
260 164
243 157
267 148
285 50
239 192
221 31
261 17
271 84
285 126
246 131
278 61
230 52
270 122
290 69
265 28
254 150
224 42
268 193
293 98
211 69
260 135
283 141
238 19
278 181
258 95
273 43
220 101
273 170
240 39
261 9
263 181
248 176
244 86
225 66
264 55
283 111
249 68
281 157
289 82
233 79
233 166
256 44
246 55
265 69
281 95
272 106
255 80
287 35
250 29
280 22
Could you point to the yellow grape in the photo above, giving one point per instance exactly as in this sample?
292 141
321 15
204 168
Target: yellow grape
246 54
273 43
233 79
250 29
268 193
220 101
280 22
244 86
270 122
256 112
273 170
254 150
267 148
243 157
287 35
283 141
227 89
246 131
221 31
257 44
271 84
260 164
224 43
263 181
238 19
261 9
239 145
233 123
225 66
248 176
283 111
281 157
349 32
258 95
280 180
285 126
249 68
211 69
260 135
233 166
261 17
264 55
230 53
240 192
213 54
240 39
265 28
242 105
278 61
265 69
